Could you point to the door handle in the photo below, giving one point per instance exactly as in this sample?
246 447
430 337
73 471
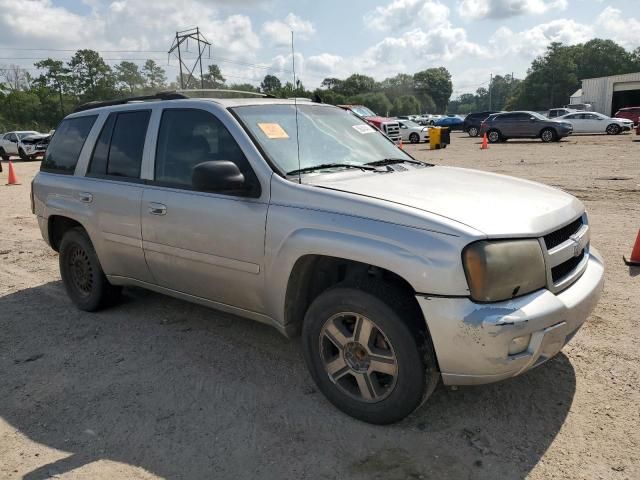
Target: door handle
157 209
85 197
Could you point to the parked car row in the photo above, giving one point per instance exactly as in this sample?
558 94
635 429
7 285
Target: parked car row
26 144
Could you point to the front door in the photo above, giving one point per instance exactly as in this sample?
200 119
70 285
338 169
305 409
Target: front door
203 243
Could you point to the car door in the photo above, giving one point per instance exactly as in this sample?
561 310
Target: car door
112 192
11 147
207 244
592 123
576 119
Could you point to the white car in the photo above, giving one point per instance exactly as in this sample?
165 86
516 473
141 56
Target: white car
594 122
412 132
11 144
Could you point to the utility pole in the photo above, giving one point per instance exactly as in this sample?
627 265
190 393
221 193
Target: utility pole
490 82
203 44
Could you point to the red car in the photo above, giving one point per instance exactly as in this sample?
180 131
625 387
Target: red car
630 113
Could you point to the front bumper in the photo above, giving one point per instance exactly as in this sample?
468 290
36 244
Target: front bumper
472 339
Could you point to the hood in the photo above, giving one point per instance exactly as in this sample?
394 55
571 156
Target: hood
378 119
496 205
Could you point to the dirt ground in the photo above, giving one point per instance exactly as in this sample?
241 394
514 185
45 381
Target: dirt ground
157 387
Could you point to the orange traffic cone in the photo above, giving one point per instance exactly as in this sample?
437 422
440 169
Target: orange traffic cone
12 179
634 261
485 144
400 145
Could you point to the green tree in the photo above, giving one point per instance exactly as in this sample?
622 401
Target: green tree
55 77
601 58
128 76
154 75
213 78
330 97
356 84
406 105
245 87
92 78
271 85
436 83
331 83
400 85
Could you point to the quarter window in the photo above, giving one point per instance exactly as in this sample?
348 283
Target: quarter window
66 144
189 137
118 151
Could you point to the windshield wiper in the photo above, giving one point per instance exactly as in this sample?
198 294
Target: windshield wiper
331 165
392 161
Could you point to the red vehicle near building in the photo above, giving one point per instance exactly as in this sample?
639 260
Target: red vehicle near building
630 113
389 126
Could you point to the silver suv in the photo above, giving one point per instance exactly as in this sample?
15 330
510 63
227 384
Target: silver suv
395 273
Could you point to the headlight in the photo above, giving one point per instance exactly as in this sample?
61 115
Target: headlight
503 269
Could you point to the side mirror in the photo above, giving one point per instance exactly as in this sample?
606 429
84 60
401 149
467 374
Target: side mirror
217 176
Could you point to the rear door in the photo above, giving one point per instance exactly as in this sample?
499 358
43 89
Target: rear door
206 244
112 191
11 147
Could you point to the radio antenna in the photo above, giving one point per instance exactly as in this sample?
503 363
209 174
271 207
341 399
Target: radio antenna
295 104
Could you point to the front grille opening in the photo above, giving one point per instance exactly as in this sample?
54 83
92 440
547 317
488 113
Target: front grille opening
554 239
564 269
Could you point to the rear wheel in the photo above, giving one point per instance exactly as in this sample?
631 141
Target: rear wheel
494 136
4 155
548 135
364 350
473 131
414 138
613 129
82 275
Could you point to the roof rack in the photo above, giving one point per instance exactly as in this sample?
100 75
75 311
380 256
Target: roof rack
166 95
169 95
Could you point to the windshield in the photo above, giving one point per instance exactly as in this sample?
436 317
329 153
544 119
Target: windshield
21 135
327 135
363 112
410 124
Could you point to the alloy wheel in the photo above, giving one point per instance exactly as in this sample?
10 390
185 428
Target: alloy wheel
358 357
473 132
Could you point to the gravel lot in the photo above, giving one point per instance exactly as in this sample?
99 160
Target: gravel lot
157 387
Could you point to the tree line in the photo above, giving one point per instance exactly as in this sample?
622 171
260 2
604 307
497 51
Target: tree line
40 102
552 77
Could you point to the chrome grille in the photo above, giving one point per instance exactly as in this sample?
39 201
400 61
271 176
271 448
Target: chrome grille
566 253
554 239
392 129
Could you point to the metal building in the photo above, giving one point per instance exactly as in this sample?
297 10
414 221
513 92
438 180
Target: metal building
608 94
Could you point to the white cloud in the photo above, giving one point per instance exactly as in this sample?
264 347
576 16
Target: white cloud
401 14
508 8
534 41
279 32
624 30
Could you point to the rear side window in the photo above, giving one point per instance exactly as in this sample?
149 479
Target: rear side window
66 145
118 151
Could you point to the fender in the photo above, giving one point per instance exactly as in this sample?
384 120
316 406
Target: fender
428 261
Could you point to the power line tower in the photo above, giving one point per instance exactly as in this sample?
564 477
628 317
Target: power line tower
183 38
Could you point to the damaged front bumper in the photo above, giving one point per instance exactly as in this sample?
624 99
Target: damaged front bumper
472 340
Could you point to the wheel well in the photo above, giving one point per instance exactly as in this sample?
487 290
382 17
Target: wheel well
555 132
58 226
313 274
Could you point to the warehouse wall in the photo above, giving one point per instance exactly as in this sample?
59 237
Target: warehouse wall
600 91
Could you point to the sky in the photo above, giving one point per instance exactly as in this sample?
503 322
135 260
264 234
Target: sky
333 38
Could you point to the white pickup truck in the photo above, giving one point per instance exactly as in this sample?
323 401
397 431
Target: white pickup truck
11 144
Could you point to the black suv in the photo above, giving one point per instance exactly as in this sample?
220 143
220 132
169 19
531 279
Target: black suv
503 126
473 121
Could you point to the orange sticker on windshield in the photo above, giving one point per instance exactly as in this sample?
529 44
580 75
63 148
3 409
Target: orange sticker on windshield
273 131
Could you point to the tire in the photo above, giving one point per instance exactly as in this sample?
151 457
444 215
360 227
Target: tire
23 156
613 129
431 122
548 135
334 327
473 131
3 155
414 138
494 136
82 275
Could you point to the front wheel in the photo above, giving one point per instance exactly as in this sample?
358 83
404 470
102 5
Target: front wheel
414 138
82 275
613 129
366 354
23 156
473 131
548 135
